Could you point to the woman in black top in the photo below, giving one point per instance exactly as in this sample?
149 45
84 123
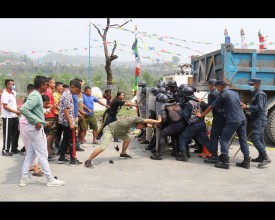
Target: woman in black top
109 115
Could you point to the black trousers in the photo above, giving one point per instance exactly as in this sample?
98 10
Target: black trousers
11 132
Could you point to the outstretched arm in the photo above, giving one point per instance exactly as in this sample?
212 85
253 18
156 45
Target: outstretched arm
201 115
102 103
129 104
152 121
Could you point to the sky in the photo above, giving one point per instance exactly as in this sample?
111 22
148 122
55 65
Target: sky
29 36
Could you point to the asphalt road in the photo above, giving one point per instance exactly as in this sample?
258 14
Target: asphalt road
142 179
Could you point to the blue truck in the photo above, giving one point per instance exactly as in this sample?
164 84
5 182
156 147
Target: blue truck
236 67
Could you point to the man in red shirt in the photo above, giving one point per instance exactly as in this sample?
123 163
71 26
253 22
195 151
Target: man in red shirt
50 128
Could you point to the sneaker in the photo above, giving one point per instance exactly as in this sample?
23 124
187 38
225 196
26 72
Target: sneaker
56 182
125 156
88 164
5 153
62 160
74 162
25 180
79 149
51 157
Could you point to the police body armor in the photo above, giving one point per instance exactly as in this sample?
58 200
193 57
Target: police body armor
196 107
160 110
141 100
150 112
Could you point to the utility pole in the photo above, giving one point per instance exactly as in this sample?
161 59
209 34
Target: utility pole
89 63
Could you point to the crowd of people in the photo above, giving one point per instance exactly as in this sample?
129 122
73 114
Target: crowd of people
55 117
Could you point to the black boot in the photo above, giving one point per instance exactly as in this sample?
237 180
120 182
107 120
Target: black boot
259 159
188 153
213 159
174 152
182 156
150 147
265 161
157 156
175 146
245 163
224 162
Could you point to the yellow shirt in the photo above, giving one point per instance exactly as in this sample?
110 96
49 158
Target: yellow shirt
56 97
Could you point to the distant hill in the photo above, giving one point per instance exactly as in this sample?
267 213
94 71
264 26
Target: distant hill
14 57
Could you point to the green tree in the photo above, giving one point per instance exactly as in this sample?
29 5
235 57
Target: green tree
97 80
148 78
66 78
175 59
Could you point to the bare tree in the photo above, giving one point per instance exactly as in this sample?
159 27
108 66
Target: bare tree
109 59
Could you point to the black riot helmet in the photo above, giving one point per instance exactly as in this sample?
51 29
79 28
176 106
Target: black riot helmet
141 84
179 90
162 90
158 95
193 87
171 83
143 90
187 91
154 91
160 84
163 98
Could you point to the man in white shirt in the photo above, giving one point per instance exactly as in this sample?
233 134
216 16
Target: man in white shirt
10 114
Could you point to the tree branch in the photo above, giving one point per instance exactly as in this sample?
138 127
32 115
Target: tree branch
107 28
98 30
113 49
121 24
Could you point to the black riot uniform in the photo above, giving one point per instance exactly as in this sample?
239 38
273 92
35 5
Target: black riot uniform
172 128
196 126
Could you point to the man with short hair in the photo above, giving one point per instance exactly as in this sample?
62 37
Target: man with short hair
57 95
218 123
229 100
32 109
120 129
67 119
89 101
10 114
50 128
258 109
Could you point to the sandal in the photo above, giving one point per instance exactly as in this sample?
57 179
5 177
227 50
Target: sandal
95 142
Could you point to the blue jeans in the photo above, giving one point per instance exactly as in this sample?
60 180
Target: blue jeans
228 131
107 119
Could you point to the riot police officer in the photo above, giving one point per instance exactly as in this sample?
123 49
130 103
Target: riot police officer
171 87
258 117
218 123
235 122
172 128
196 125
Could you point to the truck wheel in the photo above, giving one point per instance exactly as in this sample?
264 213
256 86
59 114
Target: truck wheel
270 127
